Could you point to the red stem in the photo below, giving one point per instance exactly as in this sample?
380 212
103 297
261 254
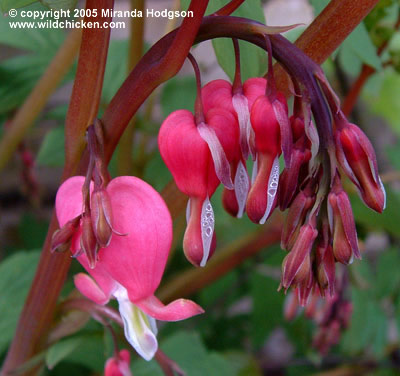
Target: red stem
152 70
229 8
198 105
237 81
38 311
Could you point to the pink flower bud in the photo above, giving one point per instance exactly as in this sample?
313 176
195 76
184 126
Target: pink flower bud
342 225
119 365
357 158
296 267
261 200
301 205
61 239
325 269
294 174
89 244
101 215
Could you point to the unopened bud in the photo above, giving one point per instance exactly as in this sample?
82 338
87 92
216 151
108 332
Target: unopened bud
343 228
89 243
101 216
61 239
357 158
296 267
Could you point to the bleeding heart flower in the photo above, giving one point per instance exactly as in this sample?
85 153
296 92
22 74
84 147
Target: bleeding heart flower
357 158
131 267
118 365
220 94
261 200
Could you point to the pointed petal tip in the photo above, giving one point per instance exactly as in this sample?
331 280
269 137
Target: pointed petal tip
177 310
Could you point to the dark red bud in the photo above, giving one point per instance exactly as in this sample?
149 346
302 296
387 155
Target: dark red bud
101 216
61 239
89 243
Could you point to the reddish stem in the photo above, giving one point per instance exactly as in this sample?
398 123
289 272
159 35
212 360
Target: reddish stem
38 311
86 93
229 8
352 96
237 81
198 105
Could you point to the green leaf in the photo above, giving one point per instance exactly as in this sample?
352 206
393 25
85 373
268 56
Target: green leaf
387 277
188 351
59 4
360 43
388 220
61 350
51 151
115 72
33 39
386 102
367 327
16 274
253 60
267 311
6 5
178 93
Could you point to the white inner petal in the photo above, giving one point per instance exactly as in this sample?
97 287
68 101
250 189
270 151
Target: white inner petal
188 211
207 229
221 163
140 329
254 171
241 188
273 182
241 106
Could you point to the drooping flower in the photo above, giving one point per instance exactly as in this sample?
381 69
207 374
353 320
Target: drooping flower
261 200
357 158
343 227
130 268
118 365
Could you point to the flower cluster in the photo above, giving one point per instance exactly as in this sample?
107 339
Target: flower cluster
129 266
233 122
331 315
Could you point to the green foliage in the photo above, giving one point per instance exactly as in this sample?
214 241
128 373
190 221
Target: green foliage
6 5
19 74
387 221
60 4
51 151
178 93
267 312
187 350
16 274
356 49
61 350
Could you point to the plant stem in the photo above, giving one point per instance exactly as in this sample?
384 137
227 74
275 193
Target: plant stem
223 261
136 42
36 100
37 314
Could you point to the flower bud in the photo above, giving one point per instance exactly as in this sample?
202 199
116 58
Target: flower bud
101 216
89 243
118 365
357 158
296 267
293 175
341 222
61 239
296 216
